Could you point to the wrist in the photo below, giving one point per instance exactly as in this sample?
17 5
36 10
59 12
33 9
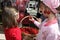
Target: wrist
33 21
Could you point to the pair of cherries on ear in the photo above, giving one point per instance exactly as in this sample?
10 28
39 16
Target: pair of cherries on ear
47 12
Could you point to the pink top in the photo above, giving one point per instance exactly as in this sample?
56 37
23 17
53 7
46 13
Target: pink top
48 30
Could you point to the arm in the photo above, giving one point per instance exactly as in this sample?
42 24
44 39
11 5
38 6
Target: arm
53 34
37 23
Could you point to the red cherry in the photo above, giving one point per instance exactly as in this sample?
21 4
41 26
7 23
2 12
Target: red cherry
47 12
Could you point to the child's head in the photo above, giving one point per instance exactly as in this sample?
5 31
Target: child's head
10 17
48 8
44 9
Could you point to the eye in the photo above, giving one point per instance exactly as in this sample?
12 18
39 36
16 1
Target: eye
40 11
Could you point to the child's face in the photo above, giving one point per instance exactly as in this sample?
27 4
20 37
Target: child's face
44 9
16 15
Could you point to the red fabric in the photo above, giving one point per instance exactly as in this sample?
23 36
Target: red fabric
29 30
24 30
13 33
21 16
32 30
26 20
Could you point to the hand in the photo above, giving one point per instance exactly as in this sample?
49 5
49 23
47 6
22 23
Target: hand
39 20
31 19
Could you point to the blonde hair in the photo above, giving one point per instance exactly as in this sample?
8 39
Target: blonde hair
8 18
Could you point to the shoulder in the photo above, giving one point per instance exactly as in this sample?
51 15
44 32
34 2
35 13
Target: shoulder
54 28
54 25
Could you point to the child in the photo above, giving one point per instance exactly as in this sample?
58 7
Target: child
11 30
48 28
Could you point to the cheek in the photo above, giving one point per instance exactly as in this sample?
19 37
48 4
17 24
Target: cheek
17 17
42 10
45 14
